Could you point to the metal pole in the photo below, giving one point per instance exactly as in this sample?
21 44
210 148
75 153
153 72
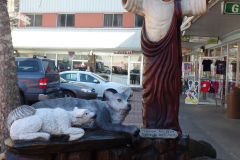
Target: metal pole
226 85
128 78
238 59
199 77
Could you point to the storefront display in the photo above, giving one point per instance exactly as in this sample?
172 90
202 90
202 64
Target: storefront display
212 77
221 67
205 86
207 65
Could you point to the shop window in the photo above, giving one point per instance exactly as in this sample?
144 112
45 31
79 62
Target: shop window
35 20
138 20
22 55
112 20
224 48
51 56
63 61
65 20
136 58
120 69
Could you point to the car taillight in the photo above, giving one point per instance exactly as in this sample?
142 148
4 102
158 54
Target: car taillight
42 83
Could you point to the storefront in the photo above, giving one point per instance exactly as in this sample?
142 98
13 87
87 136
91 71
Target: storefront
113 53
121 68
219 69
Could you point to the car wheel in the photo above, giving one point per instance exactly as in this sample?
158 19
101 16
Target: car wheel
22 99
111 90
68 94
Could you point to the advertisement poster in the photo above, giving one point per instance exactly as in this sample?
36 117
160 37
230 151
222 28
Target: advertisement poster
192 93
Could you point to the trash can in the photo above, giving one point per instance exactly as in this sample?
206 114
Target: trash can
233 103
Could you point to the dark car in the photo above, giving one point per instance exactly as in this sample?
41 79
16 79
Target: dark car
38 79
71 89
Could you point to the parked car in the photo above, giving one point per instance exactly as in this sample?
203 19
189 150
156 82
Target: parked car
99 83
38 79
107 69
78 90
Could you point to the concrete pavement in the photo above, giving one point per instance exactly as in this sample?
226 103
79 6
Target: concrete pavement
202 122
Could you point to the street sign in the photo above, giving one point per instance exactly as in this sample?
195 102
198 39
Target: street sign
230 8
158 133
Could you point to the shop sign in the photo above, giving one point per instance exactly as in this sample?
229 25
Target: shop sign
158 133
122 52
195 39
230 8
186 50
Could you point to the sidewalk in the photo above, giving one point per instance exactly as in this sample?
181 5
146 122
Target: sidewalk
202 123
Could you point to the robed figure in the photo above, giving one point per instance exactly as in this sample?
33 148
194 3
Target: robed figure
161 46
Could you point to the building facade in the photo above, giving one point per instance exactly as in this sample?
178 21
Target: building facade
74 32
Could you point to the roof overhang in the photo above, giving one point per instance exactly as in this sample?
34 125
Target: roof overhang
213 24
76 39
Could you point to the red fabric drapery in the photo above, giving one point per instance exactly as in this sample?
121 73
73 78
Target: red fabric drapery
162 76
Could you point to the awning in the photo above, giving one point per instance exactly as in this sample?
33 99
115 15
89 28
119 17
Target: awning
76 38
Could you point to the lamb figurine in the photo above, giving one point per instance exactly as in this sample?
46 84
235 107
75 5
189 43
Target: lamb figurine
27 123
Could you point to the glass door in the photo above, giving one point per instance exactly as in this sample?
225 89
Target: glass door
135 73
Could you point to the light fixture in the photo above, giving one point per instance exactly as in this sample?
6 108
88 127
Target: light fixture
202 49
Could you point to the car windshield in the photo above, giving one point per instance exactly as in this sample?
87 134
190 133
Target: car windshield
63 80
100 77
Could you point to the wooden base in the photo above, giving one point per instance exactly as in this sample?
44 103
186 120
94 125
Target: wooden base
163 149
140 149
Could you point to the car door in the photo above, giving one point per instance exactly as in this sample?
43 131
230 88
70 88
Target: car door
91 81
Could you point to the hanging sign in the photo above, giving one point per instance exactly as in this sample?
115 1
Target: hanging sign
122 52
71 55
195 39
192 93
186 50
230 8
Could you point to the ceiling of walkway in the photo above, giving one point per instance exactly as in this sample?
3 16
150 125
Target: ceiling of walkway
213 24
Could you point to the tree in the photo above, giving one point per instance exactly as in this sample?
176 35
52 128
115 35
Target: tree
14 15
9 90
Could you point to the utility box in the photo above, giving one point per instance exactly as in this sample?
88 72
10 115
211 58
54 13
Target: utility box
233 103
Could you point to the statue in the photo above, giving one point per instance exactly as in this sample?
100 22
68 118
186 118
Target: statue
110 113
27 124
161 45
